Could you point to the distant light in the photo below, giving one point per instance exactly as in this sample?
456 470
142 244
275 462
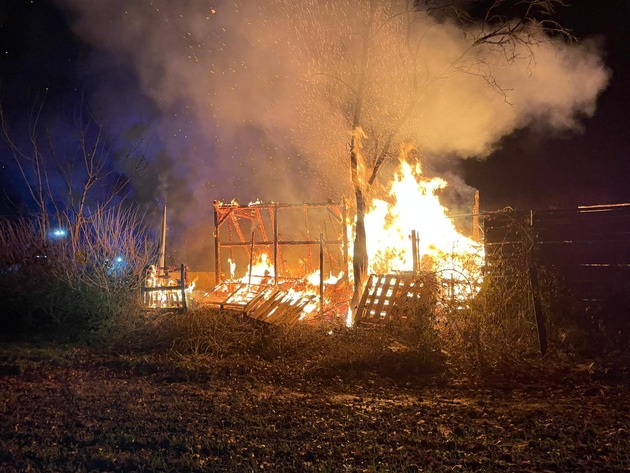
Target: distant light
58 233
117 267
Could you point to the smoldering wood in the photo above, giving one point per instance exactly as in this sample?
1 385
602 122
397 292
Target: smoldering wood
271 300
235 216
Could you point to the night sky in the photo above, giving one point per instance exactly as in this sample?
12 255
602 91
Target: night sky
536 169
42 61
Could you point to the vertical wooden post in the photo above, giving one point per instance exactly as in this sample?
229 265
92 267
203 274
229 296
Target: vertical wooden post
535 288
275 244
143 286
414 251
344 230
321 272
475 222
182 280
217 251
251 261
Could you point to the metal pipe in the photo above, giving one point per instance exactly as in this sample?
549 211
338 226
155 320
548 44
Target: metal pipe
162 253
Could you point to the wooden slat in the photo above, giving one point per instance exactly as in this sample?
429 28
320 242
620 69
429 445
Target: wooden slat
587 247
384 293
262 311
278 307
582 252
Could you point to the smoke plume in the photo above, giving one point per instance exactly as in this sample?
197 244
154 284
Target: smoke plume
254 100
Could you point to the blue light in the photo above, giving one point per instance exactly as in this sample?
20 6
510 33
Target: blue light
58 233
118 266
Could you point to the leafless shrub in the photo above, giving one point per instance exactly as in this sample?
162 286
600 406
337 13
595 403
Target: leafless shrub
25 276
494 322
88 269
55 281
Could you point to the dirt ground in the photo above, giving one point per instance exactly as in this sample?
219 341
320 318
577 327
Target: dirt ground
74 409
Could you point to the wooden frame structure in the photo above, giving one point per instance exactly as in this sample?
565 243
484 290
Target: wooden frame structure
162 292
265 232
285 233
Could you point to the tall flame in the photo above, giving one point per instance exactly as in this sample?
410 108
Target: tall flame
413 205
410 206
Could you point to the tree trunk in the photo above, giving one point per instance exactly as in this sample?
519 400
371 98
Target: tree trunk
360 256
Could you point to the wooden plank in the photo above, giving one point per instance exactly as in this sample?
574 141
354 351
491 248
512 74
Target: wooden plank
583 230
279 309
580 252
376 297
419 292
294 313
364 297
383 295
597 280
265 307
257 301
288 309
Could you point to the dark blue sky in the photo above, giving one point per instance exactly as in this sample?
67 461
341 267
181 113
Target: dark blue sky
41 59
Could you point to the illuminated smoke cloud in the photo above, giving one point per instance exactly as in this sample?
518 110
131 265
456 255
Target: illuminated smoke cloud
254 98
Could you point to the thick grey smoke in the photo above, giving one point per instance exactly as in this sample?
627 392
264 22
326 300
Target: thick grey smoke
254 99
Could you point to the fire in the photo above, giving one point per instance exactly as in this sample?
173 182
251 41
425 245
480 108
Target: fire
260 272
413 205
162 289
304 294
409 236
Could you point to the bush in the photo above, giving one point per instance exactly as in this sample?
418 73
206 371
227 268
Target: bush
493 327
70 286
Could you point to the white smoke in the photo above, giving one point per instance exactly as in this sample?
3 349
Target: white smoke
255 98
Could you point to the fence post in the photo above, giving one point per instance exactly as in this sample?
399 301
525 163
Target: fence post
321 272
183 284
532 269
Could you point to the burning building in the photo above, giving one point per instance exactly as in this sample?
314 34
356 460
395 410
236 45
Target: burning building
289 262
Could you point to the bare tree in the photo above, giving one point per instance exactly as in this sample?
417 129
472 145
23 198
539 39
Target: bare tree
393 28
71 185
93 269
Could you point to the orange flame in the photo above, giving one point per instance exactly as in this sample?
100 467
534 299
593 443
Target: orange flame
413 204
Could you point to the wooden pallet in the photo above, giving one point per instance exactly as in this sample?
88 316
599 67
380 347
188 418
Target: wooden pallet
235 296
265 303
280 307
394 295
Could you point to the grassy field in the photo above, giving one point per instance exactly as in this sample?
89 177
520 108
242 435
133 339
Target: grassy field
75 408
